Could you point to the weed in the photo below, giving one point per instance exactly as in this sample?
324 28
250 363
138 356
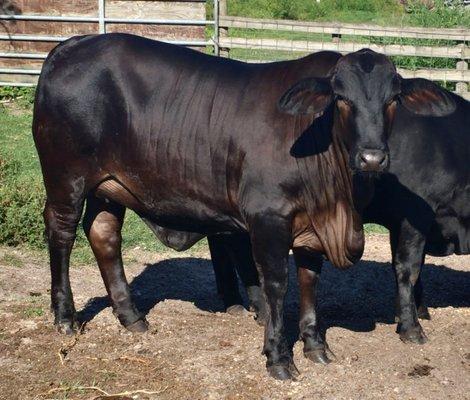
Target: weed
23 96
33 311
11 259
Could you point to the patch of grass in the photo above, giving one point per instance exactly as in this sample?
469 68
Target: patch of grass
21 193
11 259
33 311
23 96
382 12
338 10
374 228
439 16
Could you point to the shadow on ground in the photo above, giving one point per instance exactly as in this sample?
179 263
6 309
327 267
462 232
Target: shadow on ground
354 299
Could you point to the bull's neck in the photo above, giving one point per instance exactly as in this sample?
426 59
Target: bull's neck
323 163
327 190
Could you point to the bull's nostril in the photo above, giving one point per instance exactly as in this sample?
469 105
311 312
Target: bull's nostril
373 160
383 161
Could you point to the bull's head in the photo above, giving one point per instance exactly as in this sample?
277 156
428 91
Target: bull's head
366 88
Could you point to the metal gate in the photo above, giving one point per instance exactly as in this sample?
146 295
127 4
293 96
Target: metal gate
102 21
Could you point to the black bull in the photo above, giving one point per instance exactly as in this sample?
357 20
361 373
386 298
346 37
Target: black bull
206 145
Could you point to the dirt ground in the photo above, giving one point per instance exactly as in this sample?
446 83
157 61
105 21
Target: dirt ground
194 351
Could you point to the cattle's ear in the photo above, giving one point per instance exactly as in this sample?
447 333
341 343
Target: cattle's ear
424 97
309 96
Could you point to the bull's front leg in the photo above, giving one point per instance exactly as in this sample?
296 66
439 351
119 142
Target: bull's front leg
308 273
271 240
407 256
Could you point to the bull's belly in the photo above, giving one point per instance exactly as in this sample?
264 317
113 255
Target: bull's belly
176 213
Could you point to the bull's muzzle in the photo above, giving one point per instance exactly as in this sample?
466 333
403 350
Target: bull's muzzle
372 160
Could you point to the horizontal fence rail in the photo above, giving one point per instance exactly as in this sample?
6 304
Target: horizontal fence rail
459 34
459 51
60 18
45 38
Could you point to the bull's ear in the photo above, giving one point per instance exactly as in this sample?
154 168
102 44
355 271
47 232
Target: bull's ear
309 96
424 97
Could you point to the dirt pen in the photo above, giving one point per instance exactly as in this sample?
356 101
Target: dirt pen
194 351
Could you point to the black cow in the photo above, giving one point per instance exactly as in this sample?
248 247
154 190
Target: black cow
206 145
424 200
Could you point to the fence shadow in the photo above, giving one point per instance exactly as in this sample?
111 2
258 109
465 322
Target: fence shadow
354 299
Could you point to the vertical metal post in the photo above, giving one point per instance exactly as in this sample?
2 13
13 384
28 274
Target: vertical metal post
223 32
216 28
101 13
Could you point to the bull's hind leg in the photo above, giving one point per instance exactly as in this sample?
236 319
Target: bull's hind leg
407 253
308 273
240 247
231 254
102 224
61 220
225 275
421 306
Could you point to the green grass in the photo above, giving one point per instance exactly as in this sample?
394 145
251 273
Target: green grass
374 229
33 311
11 259
382 12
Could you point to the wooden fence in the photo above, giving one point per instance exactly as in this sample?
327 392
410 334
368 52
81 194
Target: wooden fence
444 44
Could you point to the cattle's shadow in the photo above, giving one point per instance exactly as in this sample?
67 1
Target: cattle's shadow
354 299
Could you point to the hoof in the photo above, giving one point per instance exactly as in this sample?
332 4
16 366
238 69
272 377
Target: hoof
423 313
413 335
139 326
319 356
237 310
283 372
66 327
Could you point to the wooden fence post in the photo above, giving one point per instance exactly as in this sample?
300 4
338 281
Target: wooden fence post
461 87
223 32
